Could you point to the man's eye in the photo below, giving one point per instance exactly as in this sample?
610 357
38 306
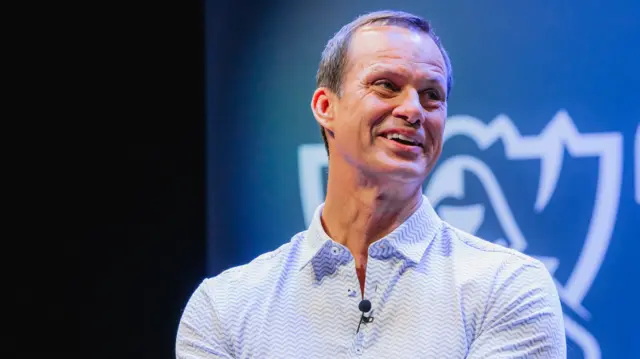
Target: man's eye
433 94
387 85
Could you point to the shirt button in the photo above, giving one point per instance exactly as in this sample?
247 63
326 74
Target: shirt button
358 350
335 250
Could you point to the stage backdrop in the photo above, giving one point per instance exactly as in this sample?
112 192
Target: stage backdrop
542 150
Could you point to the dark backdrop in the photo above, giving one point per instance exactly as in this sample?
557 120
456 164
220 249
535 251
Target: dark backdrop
116 290
161 259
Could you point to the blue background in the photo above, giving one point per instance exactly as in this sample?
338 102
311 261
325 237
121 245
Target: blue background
527 60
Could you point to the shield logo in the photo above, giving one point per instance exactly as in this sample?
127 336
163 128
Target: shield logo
560 136
549 147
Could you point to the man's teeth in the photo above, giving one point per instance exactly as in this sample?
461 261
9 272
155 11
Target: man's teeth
397 136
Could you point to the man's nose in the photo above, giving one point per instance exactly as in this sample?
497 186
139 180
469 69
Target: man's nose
410 109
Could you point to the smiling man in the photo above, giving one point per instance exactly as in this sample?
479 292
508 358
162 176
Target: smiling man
378 274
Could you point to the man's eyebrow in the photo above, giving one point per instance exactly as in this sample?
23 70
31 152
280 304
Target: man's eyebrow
437 80
433 79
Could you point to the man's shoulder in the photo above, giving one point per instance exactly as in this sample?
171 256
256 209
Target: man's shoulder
487 256
500 272
482 249
505 288
258 272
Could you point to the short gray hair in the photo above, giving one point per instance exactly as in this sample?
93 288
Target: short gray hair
334 57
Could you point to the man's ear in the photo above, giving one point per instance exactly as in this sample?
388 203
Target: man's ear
323 105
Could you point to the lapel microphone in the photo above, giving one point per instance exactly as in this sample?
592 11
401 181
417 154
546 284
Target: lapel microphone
364 307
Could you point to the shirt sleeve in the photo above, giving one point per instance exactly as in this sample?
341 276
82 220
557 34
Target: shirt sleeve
200 332
523 318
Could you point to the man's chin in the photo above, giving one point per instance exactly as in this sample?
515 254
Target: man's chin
405 171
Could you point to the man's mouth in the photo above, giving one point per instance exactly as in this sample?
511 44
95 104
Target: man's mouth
401 139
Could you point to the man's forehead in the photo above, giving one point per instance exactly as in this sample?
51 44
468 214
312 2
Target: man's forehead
391 31
381 47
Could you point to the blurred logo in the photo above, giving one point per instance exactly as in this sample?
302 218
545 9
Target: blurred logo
548 147
560 136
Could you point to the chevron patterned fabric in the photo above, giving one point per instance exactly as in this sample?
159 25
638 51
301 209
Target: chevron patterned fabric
436 292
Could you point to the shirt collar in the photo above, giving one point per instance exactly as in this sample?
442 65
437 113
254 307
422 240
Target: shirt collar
410 239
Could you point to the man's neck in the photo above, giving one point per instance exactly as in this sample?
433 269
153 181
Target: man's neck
359 210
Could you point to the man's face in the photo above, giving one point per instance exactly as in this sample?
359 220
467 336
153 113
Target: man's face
390 117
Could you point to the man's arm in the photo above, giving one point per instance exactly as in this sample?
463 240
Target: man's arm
523 318
200 333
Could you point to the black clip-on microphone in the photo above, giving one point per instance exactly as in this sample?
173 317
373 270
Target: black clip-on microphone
364 307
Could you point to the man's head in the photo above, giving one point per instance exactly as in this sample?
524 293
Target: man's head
381 77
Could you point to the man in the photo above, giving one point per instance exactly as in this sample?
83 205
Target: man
425 289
